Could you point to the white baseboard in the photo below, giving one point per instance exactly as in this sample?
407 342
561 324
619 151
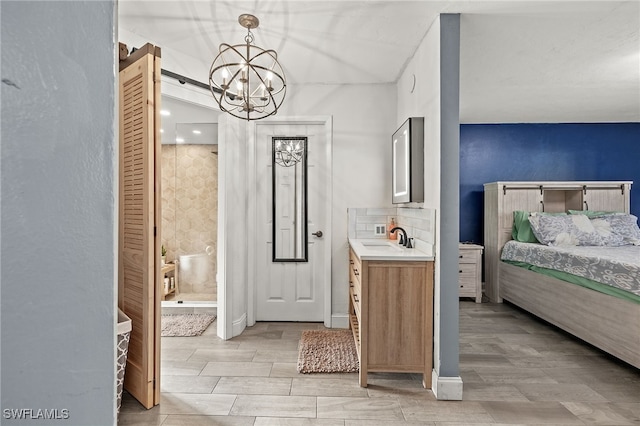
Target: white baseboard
446 388
239 325
339 321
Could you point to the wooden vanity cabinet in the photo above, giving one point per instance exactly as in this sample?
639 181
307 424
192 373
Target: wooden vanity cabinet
391 316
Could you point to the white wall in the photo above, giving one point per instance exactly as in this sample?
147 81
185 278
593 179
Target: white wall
58 173
425 102
233 238
364 117
363 122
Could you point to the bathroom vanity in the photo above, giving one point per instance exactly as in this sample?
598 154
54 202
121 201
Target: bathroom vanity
391 307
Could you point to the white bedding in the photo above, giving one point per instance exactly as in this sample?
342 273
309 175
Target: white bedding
614 266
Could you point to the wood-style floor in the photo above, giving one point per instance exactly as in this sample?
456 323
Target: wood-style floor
515 368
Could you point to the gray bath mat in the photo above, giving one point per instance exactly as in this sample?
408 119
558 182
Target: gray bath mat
185 325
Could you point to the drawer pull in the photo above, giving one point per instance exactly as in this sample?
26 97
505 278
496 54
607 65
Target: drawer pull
461 257
356 298
460 271
355 272
351 262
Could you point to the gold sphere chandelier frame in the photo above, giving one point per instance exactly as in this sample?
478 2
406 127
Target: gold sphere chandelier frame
247 81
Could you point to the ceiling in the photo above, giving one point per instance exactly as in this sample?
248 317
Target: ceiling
520 61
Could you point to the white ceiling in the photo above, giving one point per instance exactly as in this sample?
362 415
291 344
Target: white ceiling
520 61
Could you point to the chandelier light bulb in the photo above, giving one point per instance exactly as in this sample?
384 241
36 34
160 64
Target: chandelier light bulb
263 92
239 87
225 77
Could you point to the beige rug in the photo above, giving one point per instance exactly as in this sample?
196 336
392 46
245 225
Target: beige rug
323 351
185 325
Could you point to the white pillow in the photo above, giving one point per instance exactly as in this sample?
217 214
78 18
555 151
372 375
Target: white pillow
621 226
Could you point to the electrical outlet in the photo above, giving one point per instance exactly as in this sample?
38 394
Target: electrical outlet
380 229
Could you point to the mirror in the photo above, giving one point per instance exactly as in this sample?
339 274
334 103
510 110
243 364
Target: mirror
407 174
400 157
289 186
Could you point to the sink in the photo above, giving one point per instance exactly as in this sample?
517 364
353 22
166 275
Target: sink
381 246
382 249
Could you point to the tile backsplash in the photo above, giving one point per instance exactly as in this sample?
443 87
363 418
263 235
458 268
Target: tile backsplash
419 223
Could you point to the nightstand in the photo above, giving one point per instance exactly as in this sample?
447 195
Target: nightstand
470 271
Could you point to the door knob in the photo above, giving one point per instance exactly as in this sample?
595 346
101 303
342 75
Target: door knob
317 234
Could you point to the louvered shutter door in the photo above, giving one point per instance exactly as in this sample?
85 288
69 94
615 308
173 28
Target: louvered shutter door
138 277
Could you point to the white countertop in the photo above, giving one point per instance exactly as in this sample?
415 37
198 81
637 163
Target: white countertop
382 249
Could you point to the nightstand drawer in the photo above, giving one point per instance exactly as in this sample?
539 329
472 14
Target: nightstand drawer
469 256
467 291
467 280
470 271
467 271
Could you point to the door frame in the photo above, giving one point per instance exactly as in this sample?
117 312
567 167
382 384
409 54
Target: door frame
252 214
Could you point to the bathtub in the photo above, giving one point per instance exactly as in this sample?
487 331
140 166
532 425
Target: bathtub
197 273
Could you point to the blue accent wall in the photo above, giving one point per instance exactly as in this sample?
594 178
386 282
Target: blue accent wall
524 152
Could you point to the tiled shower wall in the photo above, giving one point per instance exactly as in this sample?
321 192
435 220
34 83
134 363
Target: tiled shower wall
190 214
419 223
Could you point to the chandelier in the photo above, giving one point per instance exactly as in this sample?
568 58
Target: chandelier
288 151
246 80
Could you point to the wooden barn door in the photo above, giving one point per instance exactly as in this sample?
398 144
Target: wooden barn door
139 243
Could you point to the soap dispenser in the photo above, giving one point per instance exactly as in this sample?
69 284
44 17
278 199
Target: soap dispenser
392 224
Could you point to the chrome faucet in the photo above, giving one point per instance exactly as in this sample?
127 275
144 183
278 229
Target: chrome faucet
404 240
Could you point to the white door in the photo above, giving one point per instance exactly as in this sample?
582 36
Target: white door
291 288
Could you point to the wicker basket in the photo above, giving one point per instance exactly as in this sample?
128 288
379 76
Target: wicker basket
124 332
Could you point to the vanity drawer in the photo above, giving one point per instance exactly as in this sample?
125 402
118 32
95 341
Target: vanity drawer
354 261
354 284
355 299
355 269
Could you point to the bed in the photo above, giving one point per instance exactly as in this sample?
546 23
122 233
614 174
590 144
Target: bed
610 324
602 308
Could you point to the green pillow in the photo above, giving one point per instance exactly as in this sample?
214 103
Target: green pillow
592 213
522 228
